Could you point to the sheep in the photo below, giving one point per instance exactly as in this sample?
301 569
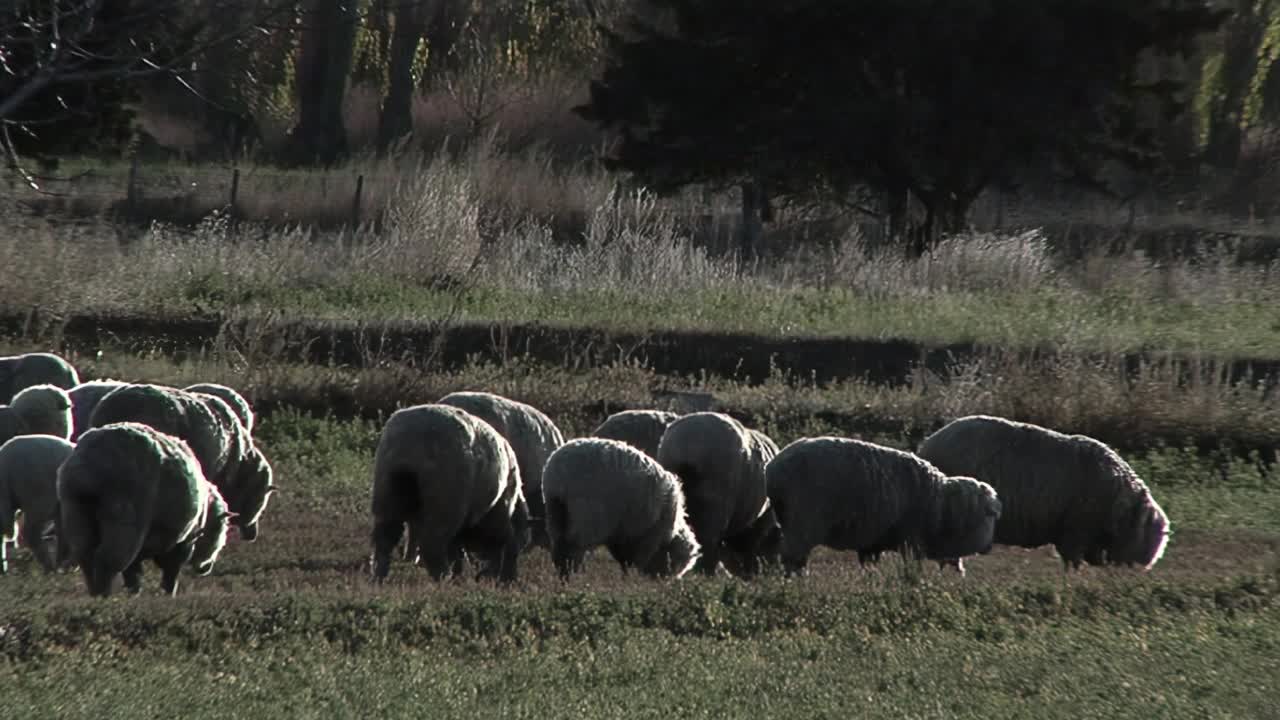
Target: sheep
208 424
455 482
84 398
238 403
721 467
532 435
1070 491
129 493
37 410
605 492
28 482
641 429
854 495
18 372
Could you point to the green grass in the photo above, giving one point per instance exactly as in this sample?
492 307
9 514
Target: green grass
701 651
291 625
1054 317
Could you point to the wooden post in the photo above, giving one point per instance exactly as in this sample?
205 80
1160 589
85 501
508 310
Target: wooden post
355 203
235 191
131 191
750 229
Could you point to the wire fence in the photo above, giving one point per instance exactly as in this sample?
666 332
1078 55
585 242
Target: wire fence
350 197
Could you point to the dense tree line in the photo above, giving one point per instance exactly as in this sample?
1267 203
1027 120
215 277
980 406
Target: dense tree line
924 103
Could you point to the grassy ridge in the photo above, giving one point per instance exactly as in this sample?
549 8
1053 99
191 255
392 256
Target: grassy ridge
1051 317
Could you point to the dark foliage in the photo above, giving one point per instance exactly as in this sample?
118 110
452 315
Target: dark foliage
939 100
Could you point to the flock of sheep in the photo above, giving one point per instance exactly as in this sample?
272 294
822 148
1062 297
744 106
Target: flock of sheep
110 474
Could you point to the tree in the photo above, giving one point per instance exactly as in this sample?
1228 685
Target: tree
69 68
325 51
917 98
408 27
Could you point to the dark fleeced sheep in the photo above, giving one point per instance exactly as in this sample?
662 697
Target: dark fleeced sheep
1069 491
853 495
454 480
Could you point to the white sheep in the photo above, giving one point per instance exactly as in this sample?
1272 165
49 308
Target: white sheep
237 401
641 429
454 481
18 372
129 493
84 398
29 482
721 465
1069 491
606 492
532 435
37 410
227 455
854 495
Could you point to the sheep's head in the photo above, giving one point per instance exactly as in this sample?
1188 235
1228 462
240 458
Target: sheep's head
253 488
45 410
965 520
213 536
756 548
1142 535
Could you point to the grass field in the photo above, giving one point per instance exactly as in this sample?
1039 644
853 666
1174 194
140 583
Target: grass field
291 625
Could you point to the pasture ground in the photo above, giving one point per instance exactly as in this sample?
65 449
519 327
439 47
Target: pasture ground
1153 338
291 624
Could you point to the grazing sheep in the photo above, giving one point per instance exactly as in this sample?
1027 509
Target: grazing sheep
1070 491
18 372
853 495
210 427
454 480
29 482
721 467
129 493
641 429
532 435
84 398
606 492
237 401
37 410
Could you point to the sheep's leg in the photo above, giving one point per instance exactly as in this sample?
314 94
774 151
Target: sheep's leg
1072 549
439 554
171 564
386 533
133 577
567 558
35 531
501 546
707 522
795 554
650 555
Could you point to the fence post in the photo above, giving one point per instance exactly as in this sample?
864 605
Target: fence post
355 203
235 191
131 191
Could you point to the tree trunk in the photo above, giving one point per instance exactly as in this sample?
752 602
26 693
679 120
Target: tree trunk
444 27
324 62
897 205
396 118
